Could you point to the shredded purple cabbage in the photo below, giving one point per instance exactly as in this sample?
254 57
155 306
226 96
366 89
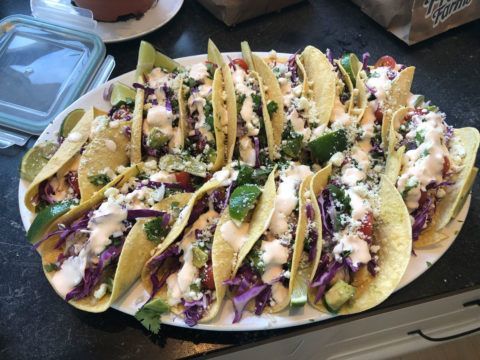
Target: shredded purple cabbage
194 310
448 134
262 299
365 58
241 300
93 274
157 262
155 185
127 131
292 67
325 202
324 275
217 197
168 102
198 209
141 213
329 54
148 90
421 216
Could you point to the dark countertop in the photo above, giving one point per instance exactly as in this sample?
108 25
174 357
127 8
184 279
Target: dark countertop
36 323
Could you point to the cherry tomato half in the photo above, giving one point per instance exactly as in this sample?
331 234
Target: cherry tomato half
183 178
386 61
367 225
207 277
241 63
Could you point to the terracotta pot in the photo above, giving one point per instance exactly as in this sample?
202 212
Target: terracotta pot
110 10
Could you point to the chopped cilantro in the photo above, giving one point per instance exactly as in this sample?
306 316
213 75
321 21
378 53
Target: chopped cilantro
291 142
155 230
272 107
99 179
208 111
410 185
211 69
149 314
257 102
429 264
50 267
109 282
195 287
190 82
419 137
240 100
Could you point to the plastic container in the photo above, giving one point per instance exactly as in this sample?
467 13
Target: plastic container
44 67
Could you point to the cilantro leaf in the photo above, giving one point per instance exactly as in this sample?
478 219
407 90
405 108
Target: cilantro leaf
50 267
272 107
155 230
149 314
99 179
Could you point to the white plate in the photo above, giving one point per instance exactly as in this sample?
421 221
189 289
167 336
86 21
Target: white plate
136 296
156 17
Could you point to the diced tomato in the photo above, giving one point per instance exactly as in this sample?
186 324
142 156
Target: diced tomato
423 198
386 61
446 166
183 178
379 115
241 63
207 277
367 225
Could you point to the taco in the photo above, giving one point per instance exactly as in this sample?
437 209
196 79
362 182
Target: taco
432 166
95 252
248 111
388 89
366 238
185 121
90 157
262 277
184 272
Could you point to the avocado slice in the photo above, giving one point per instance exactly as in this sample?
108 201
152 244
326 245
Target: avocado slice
243 200
325 146
338 295
200 257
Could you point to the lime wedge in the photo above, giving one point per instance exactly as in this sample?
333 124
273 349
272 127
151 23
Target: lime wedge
121 92
146 59
45 217
35 159
164 62
70 121
243 200
351 64
300 289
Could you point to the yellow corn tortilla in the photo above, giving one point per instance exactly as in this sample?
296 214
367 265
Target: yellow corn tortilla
398 97
320 73
300 232
393 235
231 113
137 126
450 205
63 157
220 132
272 92
97 156
317 184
